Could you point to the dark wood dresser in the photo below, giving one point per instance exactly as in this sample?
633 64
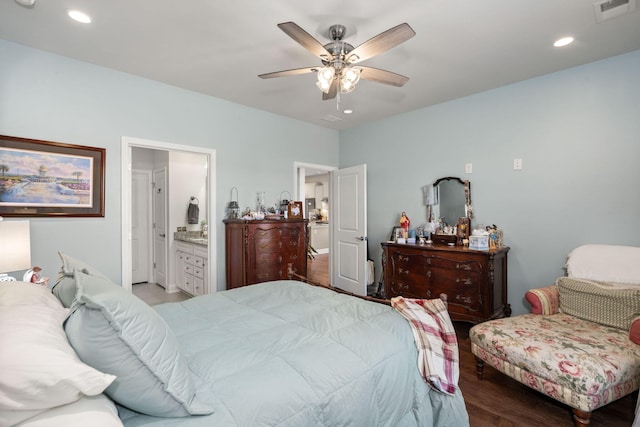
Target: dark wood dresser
475 281
260 251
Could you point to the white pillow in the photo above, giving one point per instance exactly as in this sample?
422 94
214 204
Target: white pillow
94 411
39 368
605 263
21 293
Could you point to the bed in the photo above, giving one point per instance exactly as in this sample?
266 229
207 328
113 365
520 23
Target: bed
280 353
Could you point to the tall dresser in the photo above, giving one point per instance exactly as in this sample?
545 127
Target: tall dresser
260 251
475 281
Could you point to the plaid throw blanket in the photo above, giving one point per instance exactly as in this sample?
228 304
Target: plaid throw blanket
435 339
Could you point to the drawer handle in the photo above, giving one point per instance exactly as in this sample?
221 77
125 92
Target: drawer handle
403 258
428 293
429 273
279 258
401 271
403 286
463 267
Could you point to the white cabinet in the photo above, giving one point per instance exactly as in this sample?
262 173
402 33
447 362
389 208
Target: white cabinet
191 271
319 236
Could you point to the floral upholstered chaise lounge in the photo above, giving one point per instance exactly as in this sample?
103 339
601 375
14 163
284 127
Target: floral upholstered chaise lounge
579 345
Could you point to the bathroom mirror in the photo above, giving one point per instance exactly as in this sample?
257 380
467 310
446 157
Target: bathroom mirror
453 196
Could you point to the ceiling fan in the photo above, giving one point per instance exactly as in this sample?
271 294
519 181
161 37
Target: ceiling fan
338 73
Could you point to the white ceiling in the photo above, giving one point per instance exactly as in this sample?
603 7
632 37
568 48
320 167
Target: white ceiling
218 48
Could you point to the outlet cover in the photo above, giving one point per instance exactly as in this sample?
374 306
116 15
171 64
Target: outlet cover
517 164
468 168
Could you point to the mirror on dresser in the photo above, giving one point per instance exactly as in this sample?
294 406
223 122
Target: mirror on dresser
451 210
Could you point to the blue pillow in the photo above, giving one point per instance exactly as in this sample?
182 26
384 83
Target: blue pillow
117 333
65 287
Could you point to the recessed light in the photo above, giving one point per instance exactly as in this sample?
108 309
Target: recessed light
79 16
563 41
348 111
26 3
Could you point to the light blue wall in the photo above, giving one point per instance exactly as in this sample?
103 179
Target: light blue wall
49 97
578 133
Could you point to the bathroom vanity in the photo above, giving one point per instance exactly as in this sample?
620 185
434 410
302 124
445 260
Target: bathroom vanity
191 262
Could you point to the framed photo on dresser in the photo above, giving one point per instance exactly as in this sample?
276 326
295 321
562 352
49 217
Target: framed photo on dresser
295 210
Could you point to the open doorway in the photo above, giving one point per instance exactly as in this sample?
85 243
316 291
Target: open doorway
313 187
132 267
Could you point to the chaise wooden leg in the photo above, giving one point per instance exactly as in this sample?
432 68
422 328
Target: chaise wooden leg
479 367
581 418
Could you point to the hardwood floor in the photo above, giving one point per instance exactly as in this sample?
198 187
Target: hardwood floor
499 401
318 269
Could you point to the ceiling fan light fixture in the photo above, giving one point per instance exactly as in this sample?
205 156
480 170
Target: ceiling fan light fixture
348 79
325 77
351 74
325 74
323 86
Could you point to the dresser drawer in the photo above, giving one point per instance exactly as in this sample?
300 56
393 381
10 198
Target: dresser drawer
198 261
475 282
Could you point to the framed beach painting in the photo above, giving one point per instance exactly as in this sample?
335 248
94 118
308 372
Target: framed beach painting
43 178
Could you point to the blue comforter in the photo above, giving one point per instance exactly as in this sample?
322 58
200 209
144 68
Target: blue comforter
289 354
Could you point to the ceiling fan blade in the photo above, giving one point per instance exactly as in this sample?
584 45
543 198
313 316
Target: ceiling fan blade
381 43
383 76
283 73
333 91
305 39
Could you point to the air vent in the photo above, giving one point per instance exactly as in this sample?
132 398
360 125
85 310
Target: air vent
609 9
330 118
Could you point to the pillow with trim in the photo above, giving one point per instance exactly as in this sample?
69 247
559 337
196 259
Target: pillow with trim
114 331
65 287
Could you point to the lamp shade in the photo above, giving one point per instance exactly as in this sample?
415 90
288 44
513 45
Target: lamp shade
15 246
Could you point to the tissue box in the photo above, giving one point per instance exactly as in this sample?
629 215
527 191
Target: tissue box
478 242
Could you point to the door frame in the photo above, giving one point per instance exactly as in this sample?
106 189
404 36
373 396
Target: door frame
127 143
299 174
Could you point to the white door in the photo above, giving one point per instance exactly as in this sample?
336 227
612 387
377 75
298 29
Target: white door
349 226
140 225
160 227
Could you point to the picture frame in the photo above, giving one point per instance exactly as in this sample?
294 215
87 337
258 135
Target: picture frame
44 178
464 224
294 210
397 232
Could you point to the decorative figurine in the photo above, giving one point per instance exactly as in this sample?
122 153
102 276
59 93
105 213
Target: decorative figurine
405 222
33 275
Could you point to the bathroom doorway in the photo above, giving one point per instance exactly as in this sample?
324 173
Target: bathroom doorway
152 156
